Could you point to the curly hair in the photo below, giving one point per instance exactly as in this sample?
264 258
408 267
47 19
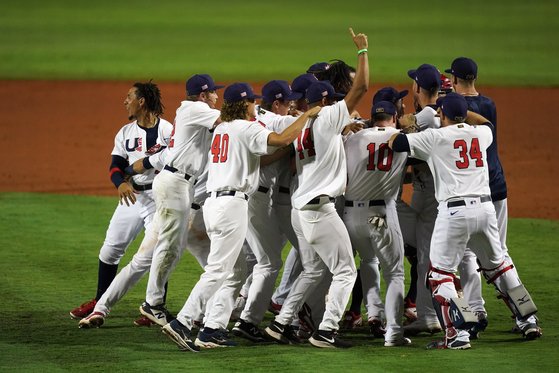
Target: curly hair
234 110
150 92
339 75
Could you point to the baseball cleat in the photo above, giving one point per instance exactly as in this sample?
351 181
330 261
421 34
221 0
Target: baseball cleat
531 331
328 339
422 326
461 341
403 341
376 327
84 310
158 314
248 331
410 312
143 321
480 326
180 335
305 318
351 320
240 303
283 334
274 308
212 338
94 320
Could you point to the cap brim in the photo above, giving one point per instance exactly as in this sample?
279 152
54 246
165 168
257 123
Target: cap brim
294 96
256 96
403 93
411 73
339 95
218 87
449 71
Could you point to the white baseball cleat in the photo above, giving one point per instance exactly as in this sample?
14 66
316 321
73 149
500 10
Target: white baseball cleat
94 320
402 341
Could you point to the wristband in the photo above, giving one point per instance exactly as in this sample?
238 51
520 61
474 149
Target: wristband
364 50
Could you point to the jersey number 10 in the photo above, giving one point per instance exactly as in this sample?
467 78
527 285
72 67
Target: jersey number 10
474 153
384 157
220 147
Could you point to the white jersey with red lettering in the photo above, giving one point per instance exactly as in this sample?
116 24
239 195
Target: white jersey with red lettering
234 162
133 142
374 171
320 158
457 157
189 144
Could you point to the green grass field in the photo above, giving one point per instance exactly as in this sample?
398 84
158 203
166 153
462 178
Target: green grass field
514 42
48 264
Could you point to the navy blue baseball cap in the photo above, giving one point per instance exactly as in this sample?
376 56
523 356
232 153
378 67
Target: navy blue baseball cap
318 90
279 90
426 76
389 94
385 107
454 106
318 67
463 68
239 92
302 82
199 83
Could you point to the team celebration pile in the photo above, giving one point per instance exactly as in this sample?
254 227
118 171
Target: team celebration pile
232 186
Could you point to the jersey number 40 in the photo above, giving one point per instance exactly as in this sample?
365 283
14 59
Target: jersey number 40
383 161
473 154
220 147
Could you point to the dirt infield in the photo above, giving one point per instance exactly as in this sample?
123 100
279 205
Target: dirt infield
58 137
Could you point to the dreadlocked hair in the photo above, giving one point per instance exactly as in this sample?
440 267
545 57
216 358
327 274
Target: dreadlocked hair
234 110
150 92
339 75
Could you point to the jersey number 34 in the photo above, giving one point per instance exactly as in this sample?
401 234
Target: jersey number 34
220 148
474 153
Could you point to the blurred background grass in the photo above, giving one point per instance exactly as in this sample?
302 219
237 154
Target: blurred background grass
514 42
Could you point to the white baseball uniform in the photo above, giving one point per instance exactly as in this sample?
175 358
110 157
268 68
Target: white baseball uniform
457 157
264 235
324 243
234 167
173 190
374 174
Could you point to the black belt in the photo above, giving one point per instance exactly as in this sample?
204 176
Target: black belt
222 193
316 201
374 202
195 206
463 203
141 188
263 189
283 189
173 170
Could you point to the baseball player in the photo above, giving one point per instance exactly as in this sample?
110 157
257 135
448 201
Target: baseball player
264 235
464 74
457 156
233 176
323 239
374 174
146 135
174 186
425 88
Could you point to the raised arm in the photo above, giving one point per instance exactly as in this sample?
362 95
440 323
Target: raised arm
361 81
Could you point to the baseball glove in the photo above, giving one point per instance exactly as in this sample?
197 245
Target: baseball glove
408 123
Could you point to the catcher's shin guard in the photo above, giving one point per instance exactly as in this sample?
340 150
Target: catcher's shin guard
443 291
510 290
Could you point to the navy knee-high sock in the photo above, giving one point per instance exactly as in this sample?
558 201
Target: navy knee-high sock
357 295
106 275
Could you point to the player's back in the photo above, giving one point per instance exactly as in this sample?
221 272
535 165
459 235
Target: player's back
374 170
234 158
458 160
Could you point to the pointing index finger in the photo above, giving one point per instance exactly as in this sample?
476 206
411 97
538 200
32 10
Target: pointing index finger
351 32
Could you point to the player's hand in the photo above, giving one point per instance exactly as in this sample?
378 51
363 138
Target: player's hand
360 40
352 127
313 112
126 194
408 123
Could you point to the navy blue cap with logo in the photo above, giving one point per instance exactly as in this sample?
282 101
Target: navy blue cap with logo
383 107
321 89
302 82
199 83
279 90
238 92
463 68
426 76
318 67
454 106
389 94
